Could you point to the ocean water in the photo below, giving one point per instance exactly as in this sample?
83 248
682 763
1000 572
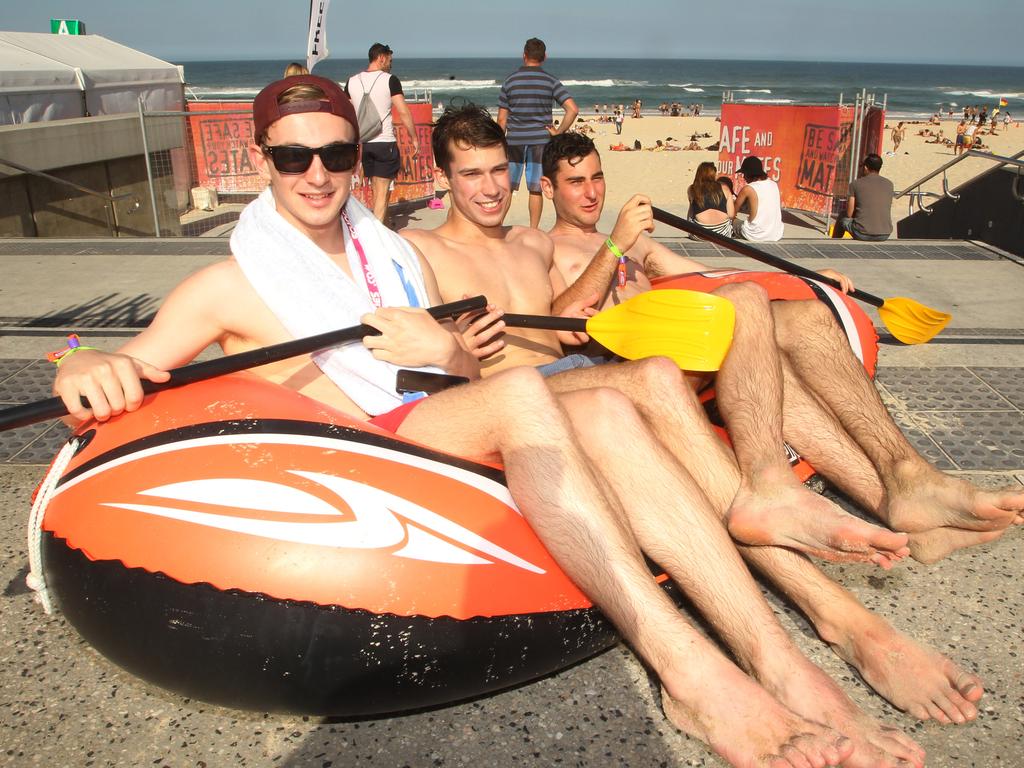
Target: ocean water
911 90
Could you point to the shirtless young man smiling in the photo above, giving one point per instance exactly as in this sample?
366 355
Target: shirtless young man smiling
851 439
910 675
473 250
306 133
514 268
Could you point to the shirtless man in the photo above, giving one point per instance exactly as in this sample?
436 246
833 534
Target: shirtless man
472 252
852 440
772 507
305 133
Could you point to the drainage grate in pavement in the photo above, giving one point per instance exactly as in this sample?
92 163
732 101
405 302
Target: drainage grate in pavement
941 250
32 382
930 389
9 368
1009 382
977 440
15 442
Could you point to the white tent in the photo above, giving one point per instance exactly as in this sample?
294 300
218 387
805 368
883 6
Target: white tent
49 77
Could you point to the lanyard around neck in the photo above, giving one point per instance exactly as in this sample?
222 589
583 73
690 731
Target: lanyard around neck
371 280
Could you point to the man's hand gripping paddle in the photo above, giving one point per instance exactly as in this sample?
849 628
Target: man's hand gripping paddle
909 321
694 329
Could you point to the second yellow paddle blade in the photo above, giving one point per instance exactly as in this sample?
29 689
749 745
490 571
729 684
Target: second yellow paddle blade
911 321
694 329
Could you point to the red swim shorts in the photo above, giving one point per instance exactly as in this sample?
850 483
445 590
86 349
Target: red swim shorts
393 419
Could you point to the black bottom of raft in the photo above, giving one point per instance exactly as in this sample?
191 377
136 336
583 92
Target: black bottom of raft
249 651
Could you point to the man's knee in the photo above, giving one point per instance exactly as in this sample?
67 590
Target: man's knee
746 296
794 319
523 384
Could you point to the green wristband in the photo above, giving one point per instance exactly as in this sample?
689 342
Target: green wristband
614 249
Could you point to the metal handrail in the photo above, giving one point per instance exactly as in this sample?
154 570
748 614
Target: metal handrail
1015 160
106 196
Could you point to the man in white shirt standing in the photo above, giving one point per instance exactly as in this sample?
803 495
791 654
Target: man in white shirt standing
381 159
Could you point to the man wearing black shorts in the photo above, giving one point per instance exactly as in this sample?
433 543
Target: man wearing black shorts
381 160
524 112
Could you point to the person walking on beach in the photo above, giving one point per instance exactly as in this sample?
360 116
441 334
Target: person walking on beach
869 206
961 130
381 159
524 112
618 118
897 136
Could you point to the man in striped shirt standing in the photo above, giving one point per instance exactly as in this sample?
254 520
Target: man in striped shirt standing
524 112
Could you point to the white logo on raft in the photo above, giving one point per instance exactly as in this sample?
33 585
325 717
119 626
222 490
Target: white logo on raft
383 519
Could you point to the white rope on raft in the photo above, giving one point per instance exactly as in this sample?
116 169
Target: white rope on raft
35 580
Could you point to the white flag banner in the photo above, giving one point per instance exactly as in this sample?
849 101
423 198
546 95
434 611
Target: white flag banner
316 47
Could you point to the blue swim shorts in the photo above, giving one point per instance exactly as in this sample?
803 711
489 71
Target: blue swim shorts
568 363
525 157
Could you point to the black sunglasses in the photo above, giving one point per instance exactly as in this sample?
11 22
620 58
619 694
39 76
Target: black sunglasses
293 158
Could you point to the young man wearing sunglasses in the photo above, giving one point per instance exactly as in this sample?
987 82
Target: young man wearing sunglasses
304 249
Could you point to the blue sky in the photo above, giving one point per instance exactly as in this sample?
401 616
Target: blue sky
920 31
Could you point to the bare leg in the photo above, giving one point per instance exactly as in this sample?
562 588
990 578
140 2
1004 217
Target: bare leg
772 507
536 208
673 413
817 435
381 194
919 497
514 414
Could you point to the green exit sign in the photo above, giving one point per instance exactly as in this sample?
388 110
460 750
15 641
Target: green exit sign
67 27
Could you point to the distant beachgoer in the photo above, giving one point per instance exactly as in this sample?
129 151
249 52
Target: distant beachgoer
982 116
295 69
711 203
897 136
869 206
524 112
637 146
763 203
961 129
381 158
969 136
637 105
619 118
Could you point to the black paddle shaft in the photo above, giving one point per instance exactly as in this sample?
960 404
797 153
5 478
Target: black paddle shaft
756 253
53 408
578 324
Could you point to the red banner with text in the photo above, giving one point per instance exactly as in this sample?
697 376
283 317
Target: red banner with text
220 158
805 149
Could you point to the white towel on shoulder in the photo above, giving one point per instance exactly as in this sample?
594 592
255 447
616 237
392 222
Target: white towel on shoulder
310 294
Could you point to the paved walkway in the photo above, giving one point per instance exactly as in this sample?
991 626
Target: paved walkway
960 399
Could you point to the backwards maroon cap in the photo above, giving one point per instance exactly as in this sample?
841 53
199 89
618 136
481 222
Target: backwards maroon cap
266 111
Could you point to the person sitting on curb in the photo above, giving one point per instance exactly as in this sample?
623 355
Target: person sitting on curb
869 206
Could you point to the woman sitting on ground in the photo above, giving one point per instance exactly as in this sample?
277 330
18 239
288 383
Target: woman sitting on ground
711 203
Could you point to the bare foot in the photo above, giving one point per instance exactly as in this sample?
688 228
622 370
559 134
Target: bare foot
808 691
752 730
931 546
789 515
913 677
924 499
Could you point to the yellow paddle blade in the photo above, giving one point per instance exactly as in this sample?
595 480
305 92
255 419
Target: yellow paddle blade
910 321
694 329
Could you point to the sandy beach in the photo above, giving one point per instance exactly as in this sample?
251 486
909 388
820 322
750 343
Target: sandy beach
664 176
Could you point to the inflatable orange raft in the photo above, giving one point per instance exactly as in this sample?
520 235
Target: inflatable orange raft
241 544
